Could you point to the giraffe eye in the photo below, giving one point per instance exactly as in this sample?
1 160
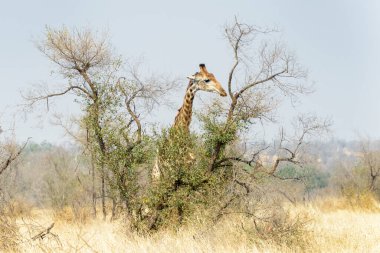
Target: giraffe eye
207 80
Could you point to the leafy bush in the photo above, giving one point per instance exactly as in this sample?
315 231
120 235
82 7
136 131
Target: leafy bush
312 178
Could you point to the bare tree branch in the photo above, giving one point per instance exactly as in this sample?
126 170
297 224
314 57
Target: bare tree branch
5 164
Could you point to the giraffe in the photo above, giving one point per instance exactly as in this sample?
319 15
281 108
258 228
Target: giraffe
202 80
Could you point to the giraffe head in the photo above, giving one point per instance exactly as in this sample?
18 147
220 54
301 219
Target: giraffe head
203 80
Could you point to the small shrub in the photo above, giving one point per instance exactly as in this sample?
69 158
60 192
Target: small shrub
281 229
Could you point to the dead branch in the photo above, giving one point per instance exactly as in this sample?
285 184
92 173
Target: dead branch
269 72
44 233
12 157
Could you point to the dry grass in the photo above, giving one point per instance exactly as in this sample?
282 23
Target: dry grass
364 202
330 230
347 231
9 236
73 215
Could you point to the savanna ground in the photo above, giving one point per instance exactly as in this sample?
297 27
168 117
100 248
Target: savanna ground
330 225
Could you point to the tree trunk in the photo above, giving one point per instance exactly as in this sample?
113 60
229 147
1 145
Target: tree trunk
103 192
93 186
113 213
102 147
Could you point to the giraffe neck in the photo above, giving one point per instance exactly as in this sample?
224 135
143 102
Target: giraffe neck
184 115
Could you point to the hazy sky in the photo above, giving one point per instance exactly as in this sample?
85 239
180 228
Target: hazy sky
337 41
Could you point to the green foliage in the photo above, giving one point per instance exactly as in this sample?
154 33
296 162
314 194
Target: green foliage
126 162
311 177
216 131
35 147
185 184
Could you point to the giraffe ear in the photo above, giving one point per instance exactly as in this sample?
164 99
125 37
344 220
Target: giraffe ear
202 67
191 77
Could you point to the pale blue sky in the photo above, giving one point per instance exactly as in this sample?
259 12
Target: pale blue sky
337 41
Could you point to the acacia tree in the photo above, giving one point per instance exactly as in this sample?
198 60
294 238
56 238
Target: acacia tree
263 73
92 74
223 174
363 177
271 70
370 162
88 66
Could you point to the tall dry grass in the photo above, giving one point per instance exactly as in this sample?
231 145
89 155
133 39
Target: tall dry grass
331 227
